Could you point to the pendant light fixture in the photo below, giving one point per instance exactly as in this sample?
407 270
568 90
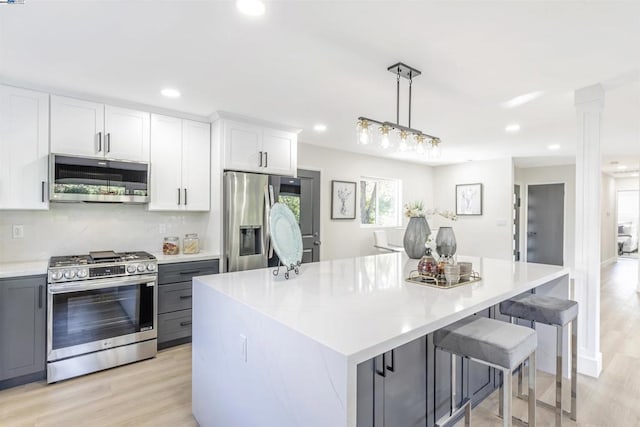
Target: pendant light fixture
393 135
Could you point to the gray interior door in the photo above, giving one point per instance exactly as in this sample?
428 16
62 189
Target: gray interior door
310 214
545 224
516 223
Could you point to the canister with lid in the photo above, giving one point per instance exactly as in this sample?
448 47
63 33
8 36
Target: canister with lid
191 244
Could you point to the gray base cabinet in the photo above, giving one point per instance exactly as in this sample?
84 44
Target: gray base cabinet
22 327
174 299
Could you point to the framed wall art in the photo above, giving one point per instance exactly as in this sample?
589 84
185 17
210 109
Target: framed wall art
343 200
469 199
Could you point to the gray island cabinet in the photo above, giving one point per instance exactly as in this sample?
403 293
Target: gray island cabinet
346 343
22 329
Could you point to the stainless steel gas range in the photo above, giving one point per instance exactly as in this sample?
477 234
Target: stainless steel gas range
101 312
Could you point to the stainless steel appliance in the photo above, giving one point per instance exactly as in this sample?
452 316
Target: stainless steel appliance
85 179
247 198
101 312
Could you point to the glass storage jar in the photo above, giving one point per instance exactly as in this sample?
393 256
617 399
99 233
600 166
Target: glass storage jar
191 244
171 245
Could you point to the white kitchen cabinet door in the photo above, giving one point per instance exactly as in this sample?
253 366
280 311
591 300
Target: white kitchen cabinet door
77 127
243 147
24 149
281 152
126 134
196 161
166 168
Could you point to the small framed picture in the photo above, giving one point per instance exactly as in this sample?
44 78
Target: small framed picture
469 199
343 200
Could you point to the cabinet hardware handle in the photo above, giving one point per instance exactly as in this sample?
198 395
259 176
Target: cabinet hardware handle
317 243
108 142
40 289
392 368
178 196
185 197
99 142
185 296
190 272
260 159
382 373
42 191
185 323
266 159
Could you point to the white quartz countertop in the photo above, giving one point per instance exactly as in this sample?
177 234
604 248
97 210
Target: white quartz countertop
37 267
362 307
23 268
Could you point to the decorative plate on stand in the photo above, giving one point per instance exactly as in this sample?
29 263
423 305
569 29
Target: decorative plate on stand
286 238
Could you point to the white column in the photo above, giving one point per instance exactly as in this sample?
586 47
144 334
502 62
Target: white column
589 104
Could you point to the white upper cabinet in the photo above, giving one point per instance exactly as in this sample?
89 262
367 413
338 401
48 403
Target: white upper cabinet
83 128
77 127
126 134
24 149
180 160
253 148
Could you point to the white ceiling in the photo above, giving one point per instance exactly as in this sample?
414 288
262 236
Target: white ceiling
306 62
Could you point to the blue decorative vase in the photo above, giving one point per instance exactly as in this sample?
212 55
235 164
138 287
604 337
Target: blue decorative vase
415 237
446 242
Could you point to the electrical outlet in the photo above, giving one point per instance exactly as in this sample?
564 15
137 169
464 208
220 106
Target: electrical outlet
17 232
243 348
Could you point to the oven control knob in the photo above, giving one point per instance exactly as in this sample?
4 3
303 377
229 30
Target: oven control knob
131 268
56 275
141 268
82 273
69 274
151 267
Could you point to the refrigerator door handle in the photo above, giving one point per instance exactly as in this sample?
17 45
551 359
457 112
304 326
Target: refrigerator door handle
268 203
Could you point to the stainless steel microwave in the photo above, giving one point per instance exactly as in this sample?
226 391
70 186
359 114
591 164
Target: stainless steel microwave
86 179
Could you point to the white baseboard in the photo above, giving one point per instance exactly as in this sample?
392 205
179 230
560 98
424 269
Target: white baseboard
590 366
609 261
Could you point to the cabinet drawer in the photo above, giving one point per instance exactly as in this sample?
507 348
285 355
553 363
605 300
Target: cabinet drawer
172 326
174 297
185 271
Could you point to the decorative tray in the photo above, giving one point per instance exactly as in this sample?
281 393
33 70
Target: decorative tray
439 281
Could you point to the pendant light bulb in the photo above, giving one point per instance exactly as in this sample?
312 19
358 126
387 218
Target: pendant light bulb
404 141
385 137
364 132
435 148
420 144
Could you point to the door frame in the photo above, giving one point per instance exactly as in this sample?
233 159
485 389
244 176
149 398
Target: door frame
525 218
322 207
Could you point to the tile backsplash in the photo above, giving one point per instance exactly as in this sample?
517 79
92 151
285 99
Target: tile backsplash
77 228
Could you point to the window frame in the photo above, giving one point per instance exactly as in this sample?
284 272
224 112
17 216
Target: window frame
398 201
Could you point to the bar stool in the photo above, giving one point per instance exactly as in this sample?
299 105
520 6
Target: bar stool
497 344
554 312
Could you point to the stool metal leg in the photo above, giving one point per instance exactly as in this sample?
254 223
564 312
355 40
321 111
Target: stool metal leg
453 383
506 398
532 390
559 341
574 369
501 396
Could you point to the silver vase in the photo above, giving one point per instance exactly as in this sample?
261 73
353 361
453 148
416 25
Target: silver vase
415 237
446 242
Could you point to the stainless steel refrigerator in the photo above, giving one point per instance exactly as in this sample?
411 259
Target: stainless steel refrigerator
247 200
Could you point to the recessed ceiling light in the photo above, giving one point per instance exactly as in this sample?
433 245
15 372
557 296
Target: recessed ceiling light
522 99
170 93
251 7
553 147
622 167
320 127
514 127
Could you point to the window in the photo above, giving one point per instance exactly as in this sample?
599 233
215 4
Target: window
380 202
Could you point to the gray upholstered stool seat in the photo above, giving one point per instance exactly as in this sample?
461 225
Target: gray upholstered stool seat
500 345
556 312
543 309
489 340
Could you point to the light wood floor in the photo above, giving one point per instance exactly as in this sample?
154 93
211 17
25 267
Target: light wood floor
157 392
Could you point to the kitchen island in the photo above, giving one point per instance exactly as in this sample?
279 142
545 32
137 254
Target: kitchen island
305 351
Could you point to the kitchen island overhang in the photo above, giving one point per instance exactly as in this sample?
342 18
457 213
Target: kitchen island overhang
286 352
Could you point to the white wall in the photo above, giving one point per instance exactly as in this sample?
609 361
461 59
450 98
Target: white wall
609 221
550 175
623 184
77 228
488 235
347 238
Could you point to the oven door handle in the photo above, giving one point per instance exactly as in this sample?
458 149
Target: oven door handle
87 285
